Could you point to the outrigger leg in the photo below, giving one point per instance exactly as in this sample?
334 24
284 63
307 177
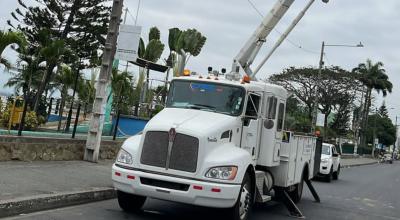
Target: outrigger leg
312 190
294 211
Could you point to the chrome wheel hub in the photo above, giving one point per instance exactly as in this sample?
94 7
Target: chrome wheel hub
244 202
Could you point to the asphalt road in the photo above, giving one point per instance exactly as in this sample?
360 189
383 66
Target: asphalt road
367 192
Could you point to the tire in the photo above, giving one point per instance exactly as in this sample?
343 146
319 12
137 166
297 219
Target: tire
244 203
336 174
328 177
129 202
297 193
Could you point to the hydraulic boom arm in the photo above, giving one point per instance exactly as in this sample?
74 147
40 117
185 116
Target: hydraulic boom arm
242 62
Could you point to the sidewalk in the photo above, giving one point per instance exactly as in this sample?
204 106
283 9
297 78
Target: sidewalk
357 162
34 186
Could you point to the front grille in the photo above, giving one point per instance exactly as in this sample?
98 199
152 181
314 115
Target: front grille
164 184
183 156
184 153
155 149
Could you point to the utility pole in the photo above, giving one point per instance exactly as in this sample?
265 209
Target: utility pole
316 100
96 123
126 13
395 141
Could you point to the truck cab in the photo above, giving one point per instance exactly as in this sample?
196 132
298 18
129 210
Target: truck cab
218 143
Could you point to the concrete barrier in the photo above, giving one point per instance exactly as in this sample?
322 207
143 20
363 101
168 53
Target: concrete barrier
41 148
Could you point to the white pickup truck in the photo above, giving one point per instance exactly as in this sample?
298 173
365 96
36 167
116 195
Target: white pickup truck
330 162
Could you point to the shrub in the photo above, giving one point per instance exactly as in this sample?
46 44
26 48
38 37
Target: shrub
31 121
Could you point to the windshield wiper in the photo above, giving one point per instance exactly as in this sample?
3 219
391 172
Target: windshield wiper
201 107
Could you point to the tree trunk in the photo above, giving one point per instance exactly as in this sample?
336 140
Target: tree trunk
61 111
45 80
367 105
325 137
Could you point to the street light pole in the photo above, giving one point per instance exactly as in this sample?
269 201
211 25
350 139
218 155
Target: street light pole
395 141
321 64
316 100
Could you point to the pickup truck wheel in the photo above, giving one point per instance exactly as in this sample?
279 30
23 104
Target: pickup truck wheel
244 203
336 174
328 177
297 193
129 202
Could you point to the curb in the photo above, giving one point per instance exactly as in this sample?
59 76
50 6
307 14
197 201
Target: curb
51 201
358 165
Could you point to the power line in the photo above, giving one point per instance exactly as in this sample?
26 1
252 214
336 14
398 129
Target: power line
287 39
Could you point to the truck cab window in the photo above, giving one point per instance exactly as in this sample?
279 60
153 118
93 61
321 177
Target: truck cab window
253 104
272 102
281 112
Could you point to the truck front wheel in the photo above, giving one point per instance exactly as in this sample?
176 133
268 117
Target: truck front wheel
244 202
129 202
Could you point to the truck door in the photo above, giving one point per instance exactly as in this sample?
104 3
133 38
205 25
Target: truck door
251 125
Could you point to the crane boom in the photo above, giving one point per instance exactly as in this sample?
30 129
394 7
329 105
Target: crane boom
250 50
242 61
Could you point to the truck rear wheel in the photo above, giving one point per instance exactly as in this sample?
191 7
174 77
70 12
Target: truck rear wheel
129 202
297 193
244 203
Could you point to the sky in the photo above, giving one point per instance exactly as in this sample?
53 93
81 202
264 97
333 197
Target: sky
227 24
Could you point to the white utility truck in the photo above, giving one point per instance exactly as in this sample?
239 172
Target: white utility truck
220 142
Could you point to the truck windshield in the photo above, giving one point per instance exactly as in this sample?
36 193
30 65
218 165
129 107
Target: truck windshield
206 96
326 150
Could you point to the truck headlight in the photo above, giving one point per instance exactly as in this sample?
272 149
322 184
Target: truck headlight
223 173
324 161
124 157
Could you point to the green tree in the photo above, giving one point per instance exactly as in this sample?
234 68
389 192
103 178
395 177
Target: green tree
383 112
64 80
122 85
150 52
384 129
183 45
373 77
80 25
337 88
7 39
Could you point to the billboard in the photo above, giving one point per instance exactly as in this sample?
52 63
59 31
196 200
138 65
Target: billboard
128 42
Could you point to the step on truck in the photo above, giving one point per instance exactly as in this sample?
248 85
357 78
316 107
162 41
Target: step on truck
220 142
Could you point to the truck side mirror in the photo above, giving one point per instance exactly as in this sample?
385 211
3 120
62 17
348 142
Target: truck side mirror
335 155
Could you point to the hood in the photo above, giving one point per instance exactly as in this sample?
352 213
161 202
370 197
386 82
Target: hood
190 120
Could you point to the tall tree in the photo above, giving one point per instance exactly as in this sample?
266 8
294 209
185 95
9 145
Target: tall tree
383 112
7 39
183 45
335 86
150 52
80 24
373 76
64 80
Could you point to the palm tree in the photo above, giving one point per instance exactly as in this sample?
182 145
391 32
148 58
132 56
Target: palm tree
7 39
183 45
63 81
51 54
151 52
373 76
122 85
86 92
